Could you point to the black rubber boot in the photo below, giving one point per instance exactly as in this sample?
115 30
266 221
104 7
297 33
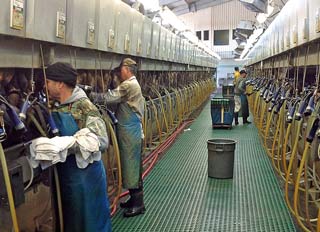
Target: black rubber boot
236 116
128 203
245 121
137 206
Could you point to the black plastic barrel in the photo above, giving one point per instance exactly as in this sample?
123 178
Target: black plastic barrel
221 158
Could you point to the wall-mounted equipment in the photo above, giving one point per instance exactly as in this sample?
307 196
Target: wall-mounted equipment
90 33
17 14
61 25
318 21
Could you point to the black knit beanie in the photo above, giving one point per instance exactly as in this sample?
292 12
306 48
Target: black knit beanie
63 72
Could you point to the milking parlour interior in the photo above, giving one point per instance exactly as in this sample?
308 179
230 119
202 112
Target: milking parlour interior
96 95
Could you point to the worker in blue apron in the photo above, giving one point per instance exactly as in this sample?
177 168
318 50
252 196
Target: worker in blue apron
85 203
130 109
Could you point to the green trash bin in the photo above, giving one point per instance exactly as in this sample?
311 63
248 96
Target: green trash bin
221 158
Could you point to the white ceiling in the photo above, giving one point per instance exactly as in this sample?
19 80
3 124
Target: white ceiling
180 7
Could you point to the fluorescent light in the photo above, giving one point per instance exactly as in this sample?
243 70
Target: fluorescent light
261 18
170 18
251 41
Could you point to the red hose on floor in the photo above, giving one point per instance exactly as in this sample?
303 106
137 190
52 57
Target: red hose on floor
155 154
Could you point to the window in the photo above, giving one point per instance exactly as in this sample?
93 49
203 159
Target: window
206 35
221 37
198 33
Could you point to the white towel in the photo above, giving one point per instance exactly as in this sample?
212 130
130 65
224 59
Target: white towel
88 144
46 152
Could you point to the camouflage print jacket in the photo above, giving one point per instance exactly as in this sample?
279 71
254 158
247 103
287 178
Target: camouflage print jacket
86 115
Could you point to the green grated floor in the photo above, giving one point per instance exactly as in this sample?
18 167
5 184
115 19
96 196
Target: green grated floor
180 197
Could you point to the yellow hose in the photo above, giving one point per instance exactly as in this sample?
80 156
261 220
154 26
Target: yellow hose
162 108
275 139
117 155
296 189
57 182
266 132
293 153
9 189
284 150
170 107
157 121
280 139
318 222
144 125
264 106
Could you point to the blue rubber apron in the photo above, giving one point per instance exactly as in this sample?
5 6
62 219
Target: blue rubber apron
129 139
83 191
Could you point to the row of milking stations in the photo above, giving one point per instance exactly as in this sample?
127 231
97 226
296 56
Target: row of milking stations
94 36
285 106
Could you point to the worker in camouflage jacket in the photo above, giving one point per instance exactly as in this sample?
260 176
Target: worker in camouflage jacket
83 186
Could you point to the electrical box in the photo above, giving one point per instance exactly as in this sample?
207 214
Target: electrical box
318 21
137 33
53 28
81 23
177 53
111 39
91 33
12 17
168 46
139 46
16 179
305 29
314 19
127 43
288 39
173 47
17 14
187 54
155 40
162 45
61 25
124 22
146 37
294 35
182 51
106 17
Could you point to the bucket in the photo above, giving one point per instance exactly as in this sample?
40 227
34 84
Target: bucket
221 158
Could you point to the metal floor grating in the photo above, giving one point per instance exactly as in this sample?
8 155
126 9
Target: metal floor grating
180 197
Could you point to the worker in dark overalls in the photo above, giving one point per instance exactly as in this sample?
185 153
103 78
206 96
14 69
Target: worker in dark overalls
240 99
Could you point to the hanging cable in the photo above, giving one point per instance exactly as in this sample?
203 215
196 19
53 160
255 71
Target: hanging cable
305 67
56 177
7 181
